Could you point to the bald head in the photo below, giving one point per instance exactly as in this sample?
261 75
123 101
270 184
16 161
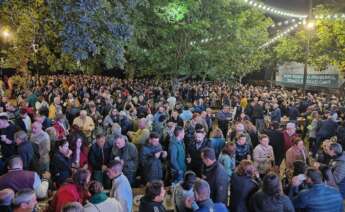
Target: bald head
36 127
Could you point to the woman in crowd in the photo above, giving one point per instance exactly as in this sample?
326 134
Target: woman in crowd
74 191
244 184
61 163
79 152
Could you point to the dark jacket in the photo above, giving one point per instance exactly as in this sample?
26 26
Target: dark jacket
276 115
152 166
147 205
218 180
26 153
7 150
338 170
327 129
217 144
129 154
60 168
177 155
208 205
242 188
195 154
277 142
319 198
261 202
99 156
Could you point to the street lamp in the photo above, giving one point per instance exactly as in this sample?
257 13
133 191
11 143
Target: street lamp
309 26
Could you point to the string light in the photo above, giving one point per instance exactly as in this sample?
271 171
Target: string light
330 17
287 22
273 10
280 35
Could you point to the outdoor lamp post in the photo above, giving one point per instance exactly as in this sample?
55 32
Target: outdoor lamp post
309 26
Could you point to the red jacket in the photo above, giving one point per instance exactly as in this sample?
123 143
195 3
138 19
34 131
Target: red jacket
67 193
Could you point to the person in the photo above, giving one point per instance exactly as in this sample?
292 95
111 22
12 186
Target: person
326 130
312 128
177 155
74 191
99 157
24 201
243 149
215 175
41 138
152 201
184 190
276 113
121 189
338 166
276 141
80 152
73 207
140 136
61 163
244 184
318 197
271 197
202 197
127 152
228 158
24 149
296 152
85 123
194 150
151 155
289 134
263 155
23 121
224 117
6 198
7 130
99 200
217 141
16 178
55 107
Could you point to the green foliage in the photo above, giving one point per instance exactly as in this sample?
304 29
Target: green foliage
215 39
327 43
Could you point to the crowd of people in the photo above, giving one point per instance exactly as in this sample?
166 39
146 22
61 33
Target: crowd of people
84 143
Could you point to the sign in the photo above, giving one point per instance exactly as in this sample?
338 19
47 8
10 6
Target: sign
322 80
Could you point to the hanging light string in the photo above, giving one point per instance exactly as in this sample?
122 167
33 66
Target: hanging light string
282 34
330 17
273 10
284 23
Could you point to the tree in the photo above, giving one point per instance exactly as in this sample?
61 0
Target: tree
326 44
214 39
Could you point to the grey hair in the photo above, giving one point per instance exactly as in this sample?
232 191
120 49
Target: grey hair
21 135
23 196
202 188
73 207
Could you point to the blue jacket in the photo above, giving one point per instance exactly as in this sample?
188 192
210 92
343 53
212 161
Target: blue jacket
319 198
208 205
153 166
217 144
177 155
327 129
276 115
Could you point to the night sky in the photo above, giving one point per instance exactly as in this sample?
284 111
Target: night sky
298 6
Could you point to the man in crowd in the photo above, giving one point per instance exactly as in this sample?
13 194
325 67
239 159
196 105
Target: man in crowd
177 155
215 175
126 152
318 197
42 140
121 189
153 198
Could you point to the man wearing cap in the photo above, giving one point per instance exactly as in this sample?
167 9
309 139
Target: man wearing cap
7 130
